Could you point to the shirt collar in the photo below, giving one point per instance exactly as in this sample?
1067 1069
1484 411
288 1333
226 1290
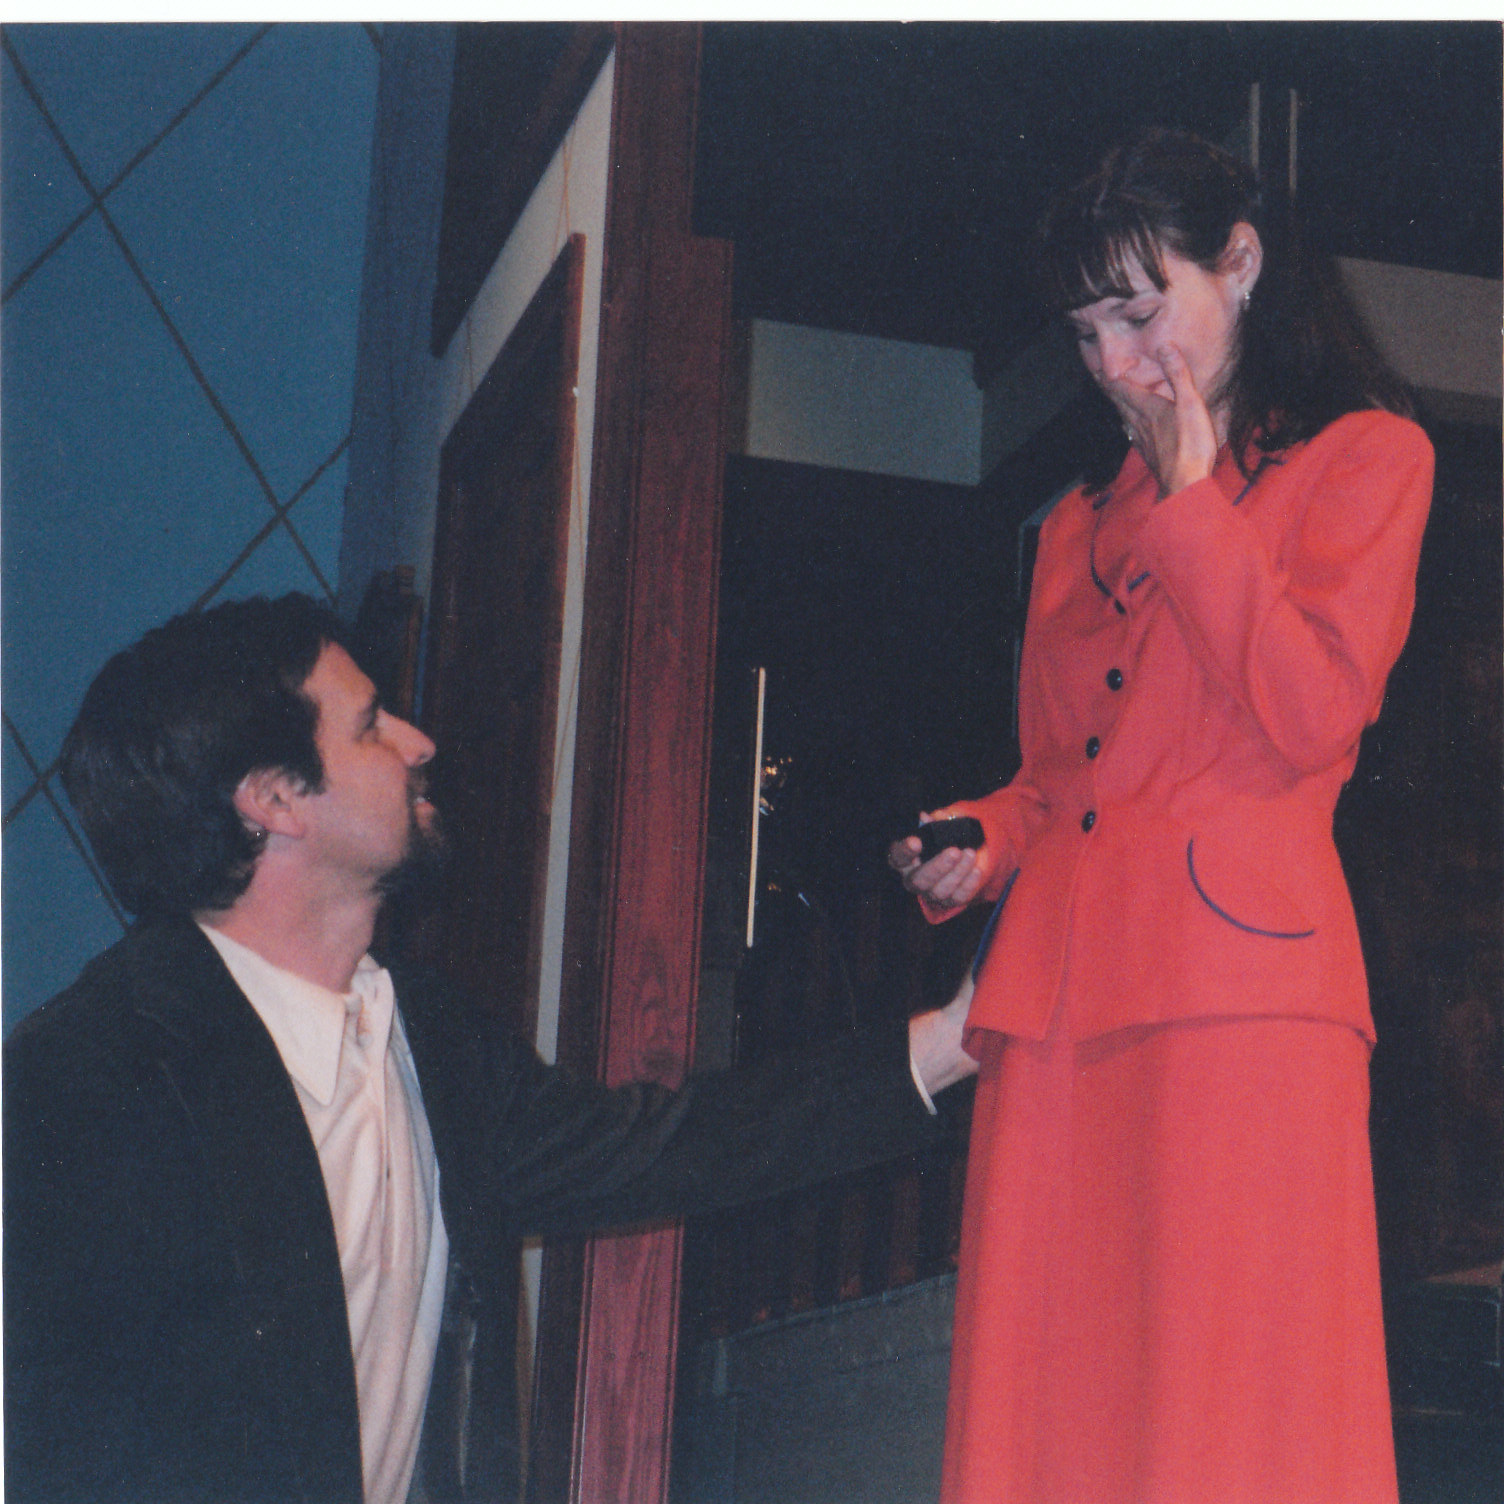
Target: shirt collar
306 1021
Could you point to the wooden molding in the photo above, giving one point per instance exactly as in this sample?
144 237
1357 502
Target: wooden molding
491 684
631 944
517 89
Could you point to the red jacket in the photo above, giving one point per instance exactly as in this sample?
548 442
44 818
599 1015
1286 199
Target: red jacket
1196 675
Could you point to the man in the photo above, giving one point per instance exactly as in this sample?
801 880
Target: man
244 1164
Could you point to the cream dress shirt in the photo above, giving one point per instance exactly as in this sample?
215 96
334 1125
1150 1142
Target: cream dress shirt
349 1062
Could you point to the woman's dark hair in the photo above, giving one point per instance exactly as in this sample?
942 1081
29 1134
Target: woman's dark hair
1303 356
169 728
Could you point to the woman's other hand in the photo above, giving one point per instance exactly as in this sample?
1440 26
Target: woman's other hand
947 881
936 1042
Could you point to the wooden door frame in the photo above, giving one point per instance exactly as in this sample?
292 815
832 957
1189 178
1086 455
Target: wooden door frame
550 323
608 1321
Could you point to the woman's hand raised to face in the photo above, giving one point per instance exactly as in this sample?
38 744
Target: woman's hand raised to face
1176 435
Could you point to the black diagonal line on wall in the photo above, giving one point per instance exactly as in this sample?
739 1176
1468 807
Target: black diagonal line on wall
280 510
271 525
42 258
260 537
66 233
139 274
236 437
43 785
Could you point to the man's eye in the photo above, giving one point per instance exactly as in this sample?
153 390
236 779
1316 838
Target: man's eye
1139 320
1085 336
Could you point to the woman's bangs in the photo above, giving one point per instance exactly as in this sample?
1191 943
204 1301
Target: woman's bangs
1101 262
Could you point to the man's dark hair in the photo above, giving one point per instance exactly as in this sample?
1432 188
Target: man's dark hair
170 727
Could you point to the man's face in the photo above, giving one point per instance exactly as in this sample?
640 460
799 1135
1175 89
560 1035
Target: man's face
372 814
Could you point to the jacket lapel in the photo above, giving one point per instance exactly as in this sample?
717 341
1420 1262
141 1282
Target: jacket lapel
264 1172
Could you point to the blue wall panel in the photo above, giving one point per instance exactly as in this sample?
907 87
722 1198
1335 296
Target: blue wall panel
168 384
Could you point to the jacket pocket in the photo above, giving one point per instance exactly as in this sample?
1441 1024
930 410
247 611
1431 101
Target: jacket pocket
1244 897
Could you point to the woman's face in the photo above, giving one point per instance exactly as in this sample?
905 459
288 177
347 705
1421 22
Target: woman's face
1198 311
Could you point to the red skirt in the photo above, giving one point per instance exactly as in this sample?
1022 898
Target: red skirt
1169 1283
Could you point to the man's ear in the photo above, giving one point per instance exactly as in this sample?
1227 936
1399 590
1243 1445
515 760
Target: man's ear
270 800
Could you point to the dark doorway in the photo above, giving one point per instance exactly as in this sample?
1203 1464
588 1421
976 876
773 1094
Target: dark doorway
885 614
492 679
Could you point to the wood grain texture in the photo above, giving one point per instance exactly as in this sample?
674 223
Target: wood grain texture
637 846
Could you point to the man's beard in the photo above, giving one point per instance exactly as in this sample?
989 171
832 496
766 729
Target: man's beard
419 872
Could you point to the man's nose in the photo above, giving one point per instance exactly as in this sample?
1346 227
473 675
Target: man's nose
415 747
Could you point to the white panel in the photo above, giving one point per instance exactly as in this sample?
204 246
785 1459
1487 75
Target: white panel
852 402
1439 330
407 401
570 198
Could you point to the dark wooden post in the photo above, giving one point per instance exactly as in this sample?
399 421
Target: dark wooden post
637 846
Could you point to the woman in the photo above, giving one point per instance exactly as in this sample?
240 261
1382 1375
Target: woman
1169 1279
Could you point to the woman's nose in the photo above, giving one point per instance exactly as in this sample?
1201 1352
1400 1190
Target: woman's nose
1115 358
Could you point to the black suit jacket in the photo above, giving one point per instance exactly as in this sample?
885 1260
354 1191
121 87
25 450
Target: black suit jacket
174 1311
